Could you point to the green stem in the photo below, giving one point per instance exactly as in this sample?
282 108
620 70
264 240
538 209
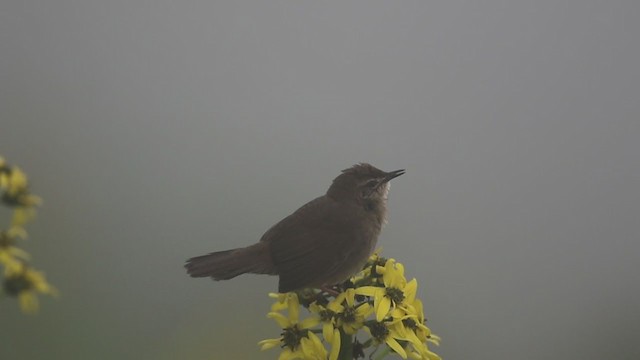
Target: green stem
346 347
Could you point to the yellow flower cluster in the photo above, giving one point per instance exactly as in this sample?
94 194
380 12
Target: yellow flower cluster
20 279
378 300
296 340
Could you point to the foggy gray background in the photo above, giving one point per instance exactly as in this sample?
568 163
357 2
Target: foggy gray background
160 130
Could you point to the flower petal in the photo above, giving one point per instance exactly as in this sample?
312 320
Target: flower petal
309 323
335 345
417 304
280 319
367 290
312 347
396 347
327 332
350 297
294 308
18 253
410 291
281 301
287 354
383 308
399 269
364 310
317 342
434 339
269 343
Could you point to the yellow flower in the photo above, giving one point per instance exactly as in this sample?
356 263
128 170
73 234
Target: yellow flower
20 280
368 275
16 187
25 284
282 301
381 289
296 340
9 261
17 181
351 316
340 313
312 347
326 315
421 330
12 257
387 333
293 307
410 325
396 290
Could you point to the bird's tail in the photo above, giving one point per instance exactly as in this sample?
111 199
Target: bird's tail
224 265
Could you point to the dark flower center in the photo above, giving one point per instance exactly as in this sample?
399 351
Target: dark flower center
379 331
410 323
396 295
291 337
348 315
326 315
14 285
5 240
20 198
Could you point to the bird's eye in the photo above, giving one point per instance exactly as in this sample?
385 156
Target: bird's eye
371 183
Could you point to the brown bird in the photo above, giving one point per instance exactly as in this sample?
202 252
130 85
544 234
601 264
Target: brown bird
321 244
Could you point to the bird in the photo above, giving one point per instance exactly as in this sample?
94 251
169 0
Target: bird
321 244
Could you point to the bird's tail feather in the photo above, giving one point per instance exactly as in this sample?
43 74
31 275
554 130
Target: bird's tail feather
224 265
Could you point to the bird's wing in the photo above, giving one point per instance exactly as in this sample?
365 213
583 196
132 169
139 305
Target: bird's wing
308 246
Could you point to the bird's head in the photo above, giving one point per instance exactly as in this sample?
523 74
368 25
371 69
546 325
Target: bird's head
363 183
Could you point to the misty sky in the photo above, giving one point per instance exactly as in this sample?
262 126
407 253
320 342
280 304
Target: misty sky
160 130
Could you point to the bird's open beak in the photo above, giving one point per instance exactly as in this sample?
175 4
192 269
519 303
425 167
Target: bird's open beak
392 174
